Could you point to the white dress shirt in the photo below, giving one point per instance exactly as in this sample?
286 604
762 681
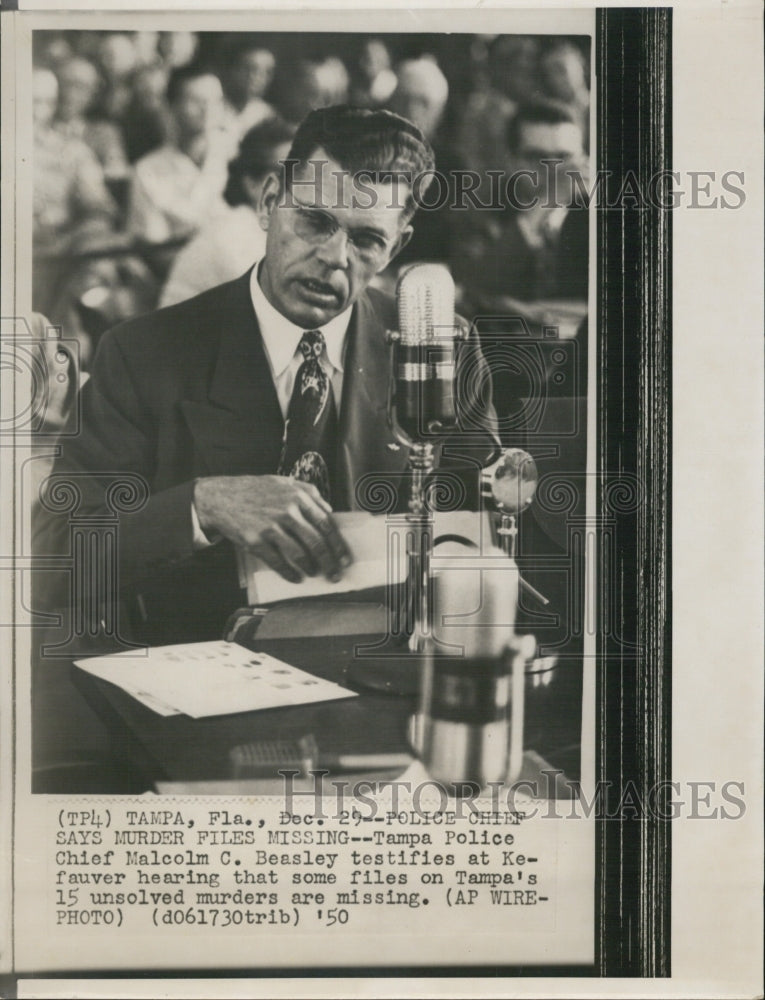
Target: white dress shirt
280 341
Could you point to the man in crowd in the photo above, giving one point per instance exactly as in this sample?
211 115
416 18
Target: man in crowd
72 211
229 243
421 95
79 85
179 186
253 411
536 249
250 74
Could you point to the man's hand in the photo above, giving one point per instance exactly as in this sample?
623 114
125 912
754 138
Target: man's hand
283 521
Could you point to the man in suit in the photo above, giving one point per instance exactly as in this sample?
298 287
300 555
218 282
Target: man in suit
200 400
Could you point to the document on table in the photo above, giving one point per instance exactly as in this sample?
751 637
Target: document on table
378 545
210 678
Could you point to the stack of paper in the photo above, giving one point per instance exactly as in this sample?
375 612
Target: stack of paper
378 545
210 678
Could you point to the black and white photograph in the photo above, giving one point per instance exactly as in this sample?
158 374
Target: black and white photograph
345 423
213 436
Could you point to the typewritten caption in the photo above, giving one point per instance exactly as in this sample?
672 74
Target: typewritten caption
260 865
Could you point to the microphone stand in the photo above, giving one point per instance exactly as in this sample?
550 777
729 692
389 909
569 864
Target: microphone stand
421 464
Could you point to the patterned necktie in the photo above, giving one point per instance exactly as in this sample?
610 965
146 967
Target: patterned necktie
310 432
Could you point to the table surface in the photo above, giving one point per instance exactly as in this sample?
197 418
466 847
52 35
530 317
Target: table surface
182 749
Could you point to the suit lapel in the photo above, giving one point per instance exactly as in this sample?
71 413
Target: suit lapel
238 429
366 444
242 382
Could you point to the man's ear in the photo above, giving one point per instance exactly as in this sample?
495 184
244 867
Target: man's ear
269 199
403 238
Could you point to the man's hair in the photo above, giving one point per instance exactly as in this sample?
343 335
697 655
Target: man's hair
366 141
538 113
256 156
183 75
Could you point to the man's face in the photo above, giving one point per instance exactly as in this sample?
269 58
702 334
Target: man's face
254 72
327 238
540 141
199 106
79 83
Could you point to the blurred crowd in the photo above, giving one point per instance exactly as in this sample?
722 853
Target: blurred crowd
150 149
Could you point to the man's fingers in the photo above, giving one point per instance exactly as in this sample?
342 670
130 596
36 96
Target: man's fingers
313 542
326 526
291 549
272 556
313 493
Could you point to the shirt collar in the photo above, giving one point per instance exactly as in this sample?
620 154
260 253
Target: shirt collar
281 337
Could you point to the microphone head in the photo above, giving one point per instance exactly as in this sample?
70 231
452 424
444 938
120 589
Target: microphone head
513 480
425 296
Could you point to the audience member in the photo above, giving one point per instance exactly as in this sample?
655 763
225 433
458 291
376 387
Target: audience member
79 84
308 85
117 59
537 248
334 81
146 45
147 121
177 48
511 68
72 212
373 80
231 243
421 95
179 186
250 74
51 49
70 196
563 77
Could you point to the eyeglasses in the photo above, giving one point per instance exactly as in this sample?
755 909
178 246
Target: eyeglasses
317 227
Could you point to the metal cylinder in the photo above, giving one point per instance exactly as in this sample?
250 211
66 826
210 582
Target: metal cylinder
465 708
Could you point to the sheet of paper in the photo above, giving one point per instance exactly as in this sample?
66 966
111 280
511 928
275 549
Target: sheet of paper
211 678
149 701
378 545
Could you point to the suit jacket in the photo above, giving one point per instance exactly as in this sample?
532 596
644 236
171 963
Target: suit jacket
187 392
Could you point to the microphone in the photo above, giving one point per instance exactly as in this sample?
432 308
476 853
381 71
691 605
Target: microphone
424 352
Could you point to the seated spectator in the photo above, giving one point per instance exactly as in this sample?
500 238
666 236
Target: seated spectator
228 245
512 77
72 212
537 248
70 196
334 81
79 84
563 77
308 85
51 49
177 48
147 121
421 95
179 186
250 74
146 44
117 58
373 79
